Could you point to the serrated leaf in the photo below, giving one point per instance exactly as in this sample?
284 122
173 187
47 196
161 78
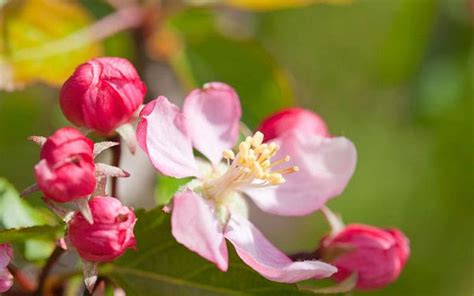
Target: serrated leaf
44 232
37 43
207 55
166 187
164 267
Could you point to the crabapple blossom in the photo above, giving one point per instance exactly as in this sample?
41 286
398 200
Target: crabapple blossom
109 236
66 170
376 255
6 278
211 208
102 94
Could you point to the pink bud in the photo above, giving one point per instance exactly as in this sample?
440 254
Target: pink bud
102 94
109 236
293 118
6 278
66 170
376 255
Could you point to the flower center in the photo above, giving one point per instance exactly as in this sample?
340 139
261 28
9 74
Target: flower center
251 167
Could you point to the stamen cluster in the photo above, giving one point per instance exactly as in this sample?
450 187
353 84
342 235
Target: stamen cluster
251 167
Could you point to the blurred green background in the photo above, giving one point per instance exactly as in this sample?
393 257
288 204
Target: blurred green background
394 76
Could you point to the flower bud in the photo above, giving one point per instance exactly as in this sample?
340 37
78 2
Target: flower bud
66 170
293 118
6 278
102 94
376 255
109 236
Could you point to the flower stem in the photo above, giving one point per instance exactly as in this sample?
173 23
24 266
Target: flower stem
116 155
55 255
23 281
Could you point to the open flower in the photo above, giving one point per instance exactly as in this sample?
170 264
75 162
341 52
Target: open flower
210 208
6 278
325 163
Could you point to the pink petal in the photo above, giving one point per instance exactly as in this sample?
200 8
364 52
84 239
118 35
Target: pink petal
212 119
257 252
6 280
325 167
161 134
6 255
194 225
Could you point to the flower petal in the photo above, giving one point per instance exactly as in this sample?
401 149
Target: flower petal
194 225
212 119
257 252
325 167
162 135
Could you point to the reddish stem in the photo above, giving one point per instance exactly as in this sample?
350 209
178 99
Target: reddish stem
25 284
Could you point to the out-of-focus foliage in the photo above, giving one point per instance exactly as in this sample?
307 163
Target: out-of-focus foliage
167 268
265 5
41 41
413 135
208 55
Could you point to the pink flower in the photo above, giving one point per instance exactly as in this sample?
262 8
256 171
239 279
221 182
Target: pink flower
6 278
293 119
109 236
66 170
325 164
211 208
102 94
376 255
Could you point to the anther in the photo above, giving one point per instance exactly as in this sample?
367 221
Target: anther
228 154
280 161
257 139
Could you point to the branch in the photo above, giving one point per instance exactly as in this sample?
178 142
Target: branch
58 251
129 17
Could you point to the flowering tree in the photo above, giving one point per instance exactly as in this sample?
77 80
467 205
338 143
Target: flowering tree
290 165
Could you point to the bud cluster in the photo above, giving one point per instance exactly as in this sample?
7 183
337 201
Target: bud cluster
102 96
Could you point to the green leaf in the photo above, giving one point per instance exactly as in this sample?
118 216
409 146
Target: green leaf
166 187
14 212
165 267
43 48
25 224
39 233
208 55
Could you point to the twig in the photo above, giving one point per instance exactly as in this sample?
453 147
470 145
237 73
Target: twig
58 251
129 17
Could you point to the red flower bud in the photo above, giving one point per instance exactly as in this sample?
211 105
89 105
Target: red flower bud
109 236
290 119
6 278
102 94
66 170
376 255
